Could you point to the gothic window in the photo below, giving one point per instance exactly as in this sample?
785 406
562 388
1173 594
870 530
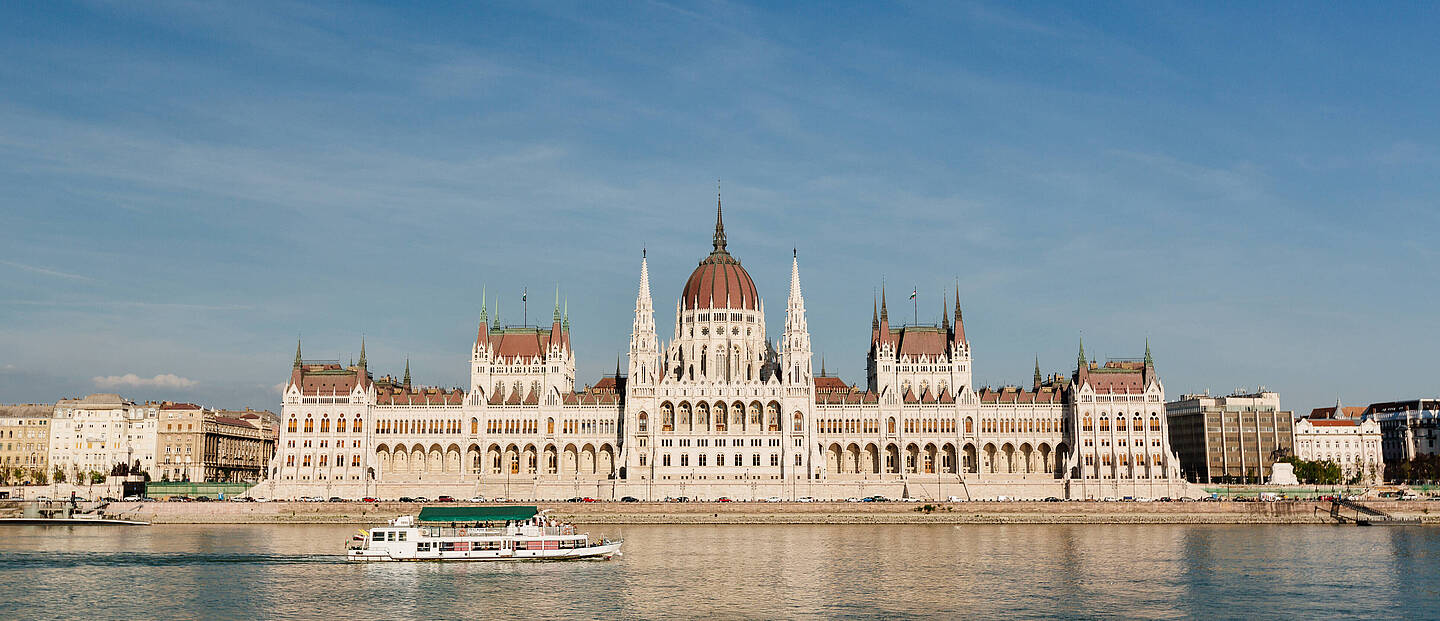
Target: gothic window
667 417
891 426
1104 422
799 422
644 422
309 424
969 425
1087 425
291 427
325 424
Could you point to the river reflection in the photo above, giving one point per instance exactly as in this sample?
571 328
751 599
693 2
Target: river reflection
1019 571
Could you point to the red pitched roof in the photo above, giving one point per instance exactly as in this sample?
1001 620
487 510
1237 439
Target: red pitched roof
922 341
1324 422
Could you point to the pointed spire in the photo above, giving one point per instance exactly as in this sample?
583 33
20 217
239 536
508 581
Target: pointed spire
959 316
566 318
407 372
1080 359
944 319
483 305
1037 371
719 241
884 314
795 277
362 352
822 366
496 322
1149 362
557 304
297 352
874 315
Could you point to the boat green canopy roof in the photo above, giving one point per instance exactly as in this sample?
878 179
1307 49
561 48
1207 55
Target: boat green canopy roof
478 514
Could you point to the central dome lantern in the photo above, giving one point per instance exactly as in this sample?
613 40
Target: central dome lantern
719 281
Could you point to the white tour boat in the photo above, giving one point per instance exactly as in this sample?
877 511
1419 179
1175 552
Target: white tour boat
506 533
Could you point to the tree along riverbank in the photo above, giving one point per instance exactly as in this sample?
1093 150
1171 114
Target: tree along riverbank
1223 512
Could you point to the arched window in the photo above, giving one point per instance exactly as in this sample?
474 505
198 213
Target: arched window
358 426
799 422
309 424
291 427
1087 425
550 426
644 423
1119 422
1104 422
340 424
969 425
891 425
667 417
1154 423
772 416
325 424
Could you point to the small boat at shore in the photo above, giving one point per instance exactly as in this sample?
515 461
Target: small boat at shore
67 513
504 533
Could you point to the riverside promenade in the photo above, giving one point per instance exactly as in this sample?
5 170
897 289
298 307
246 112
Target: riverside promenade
1223 512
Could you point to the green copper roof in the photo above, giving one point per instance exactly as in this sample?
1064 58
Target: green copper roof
478 514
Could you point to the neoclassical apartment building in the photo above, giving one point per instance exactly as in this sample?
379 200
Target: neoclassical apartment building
722 409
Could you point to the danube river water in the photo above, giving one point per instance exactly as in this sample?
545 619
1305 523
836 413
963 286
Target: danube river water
1021 571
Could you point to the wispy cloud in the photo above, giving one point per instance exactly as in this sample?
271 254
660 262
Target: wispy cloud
44 270
127 304
131 380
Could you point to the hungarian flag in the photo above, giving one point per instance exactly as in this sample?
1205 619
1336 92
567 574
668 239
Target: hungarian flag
912 294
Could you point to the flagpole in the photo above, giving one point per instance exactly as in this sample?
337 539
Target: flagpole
915 304
525 306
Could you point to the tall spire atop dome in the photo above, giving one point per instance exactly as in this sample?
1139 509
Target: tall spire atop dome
719 242
297 352
362 352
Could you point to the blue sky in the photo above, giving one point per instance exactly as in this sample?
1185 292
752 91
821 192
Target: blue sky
188 186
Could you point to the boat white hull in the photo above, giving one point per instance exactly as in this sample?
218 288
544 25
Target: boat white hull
604 551
71 522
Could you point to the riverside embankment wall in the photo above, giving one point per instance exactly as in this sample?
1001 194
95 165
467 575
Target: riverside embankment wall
1225 512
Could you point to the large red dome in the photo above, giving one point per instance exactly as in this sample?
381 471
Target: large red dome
719 281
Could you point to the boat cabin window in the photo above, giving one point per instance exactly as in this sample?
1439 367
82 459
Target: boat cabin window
423 546
378 535
401 534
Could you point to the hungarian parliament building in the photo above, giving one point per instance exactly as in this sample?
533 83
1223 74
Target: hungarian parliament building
722 410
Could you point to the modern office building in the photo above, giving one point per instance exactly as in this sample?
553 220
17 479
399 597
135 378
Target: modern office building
1234 438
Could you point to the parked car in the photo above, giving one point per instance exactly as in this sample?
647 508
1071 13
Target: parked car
422 499
1052 499
406 499
475 499
133 499
444 499
805 499
773 499
369 499
335 499
629 499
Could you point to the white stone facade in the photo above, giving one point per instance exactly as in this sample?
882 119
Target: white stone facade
1351 443
99 431
720 410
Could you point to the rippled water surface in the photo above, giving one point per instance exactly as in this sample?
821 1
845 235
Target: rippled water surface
1084 571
